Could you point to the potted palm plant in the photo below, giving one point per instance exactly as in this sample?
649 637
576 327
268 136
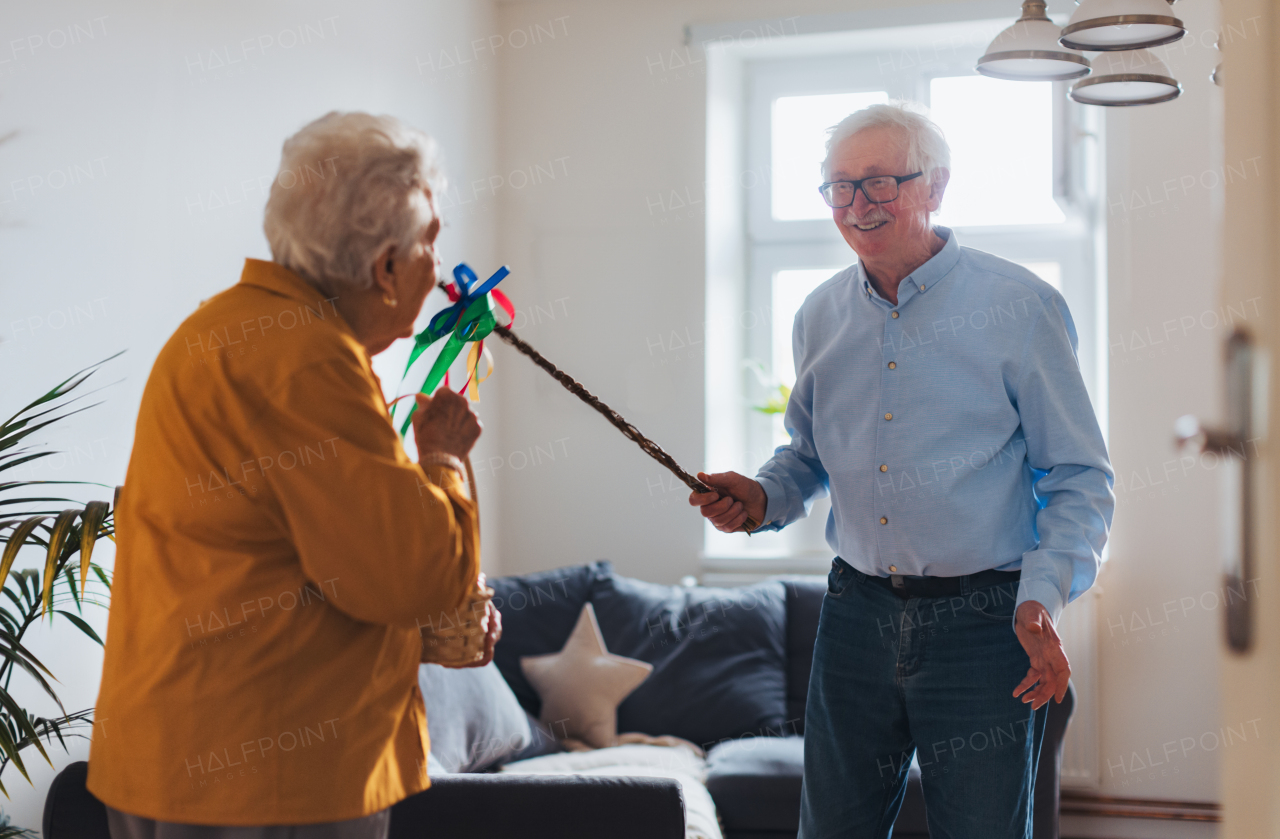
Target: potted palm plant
60 528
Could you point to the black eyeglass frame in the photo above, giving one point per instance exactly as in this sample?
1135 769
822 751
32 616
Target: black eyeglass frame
858 185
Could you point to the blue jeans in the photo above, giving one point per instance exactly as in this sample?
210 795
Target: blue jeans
930 677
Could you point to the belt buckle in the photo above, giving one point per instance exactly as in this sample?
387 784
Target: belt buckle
898 584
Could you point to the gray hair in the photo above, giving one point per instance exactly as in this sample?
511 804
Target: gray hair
349 185
927 148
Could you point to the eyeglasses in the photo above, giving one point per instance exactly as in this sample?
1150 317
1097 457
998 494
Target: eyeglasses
879 190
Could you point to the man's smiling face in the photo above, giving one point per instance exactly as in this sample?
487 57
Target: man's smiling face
879 230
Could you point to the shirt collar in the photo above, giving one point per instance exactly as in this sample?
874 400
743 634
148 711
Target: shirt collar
927 275
278 279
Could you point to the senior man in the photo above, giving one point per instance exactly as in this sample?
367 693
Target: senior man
938 399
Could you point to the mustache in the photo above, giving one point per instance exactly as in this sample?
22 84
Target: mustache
874 216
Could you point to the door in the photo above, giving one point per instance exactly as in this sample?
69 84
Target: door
1251 254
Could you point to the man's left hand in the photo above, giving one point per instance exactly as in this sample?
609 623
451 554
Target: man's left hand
1050 669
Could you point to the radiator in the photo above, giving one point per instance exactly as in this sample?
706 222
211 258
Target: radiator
1078 628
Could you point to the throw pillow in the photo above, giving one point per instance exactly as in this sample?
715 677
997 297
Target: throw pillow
581 685
544 741
473 718
719 657
538 613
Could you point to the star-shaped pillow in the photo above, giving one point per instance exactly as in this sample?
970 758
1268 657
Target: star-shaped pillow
582 685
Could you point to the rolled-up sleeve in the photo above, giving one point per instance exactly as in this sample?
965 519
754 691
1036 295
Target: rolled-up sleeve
1065 447
394 543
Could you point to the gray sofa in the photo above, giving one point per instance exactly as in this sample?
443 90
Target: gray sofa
731 673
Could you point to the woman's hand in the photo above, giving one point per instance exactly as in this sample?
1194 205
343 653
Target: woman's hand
738 496
445 423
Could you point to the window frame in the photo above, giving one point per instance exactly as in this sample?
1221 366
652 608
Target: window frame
774 245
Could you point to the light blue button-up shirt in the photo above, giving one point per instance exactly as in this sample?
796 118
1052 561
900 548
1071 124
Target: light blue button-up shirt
953 430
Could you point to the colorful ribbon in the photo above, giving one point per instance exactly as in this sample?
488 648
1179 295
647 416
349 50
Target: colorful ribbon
469 319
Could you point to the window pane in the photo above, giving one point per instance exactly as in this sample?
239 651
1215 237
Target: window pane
1001 138
799 136
790 288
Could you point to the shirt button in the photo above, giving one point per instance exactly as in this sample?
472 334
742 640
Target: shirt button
888 417
892 366
884 520
884 467
893 568
893 314
922 288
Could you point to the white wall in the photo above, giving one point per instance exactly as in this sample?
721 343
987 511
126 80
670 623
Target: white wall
619 97
620 238
571 129
167 201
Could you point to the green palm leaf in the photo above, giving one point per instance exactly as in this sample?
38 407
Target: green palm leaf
95 513
64 387
16 540
81 625
60 532
57 539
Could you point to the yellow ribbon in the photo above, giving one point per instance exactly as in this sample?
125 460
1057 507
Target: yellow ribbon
473 366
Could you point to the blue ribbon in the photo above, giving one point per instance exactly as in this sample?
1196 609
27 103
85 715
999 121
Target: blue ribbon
469 318
463 279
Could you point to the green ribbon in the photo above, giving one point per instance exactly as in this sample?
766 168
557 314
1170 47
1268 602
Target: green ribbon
470 318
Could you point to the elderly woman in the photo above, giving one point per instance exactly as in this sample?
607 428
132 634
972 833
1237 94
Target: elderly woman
278 551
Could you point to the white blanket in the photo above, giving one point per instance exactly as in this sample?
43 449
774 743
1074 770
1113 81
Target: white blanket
678 762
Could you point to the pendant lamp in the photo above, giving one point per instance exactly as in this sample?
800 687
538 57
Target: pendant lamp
1029 51
1133 77
1104 25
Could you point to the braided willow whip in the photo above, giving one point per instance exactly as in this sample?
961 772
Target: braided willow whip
632 433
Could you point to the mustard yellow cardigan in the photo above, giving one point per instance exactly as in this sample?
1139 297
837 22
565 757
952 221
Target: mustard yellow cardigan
277 553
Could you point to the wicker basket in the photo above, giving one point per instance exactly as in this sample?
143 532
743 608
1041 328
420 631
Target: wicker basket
458 638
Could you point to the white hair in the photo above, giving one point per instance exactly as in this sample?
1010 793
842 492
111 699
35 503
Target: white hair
350 184
927 148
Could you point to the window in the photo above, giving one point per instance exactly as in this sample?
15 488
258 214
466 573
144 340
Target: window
1001 139
798 134
1024 172
1007 193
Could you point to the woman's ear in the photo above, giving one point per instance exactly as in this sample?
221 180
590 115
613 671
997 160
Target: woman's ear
384 272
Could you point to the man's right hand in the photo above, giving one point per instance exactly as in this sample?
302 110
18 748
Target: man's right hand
445 423
736 497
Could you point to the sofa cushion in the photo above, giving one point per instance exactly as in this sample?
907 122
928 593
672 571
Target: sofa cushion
718 656
472 716
755 782
538 614
638 761
756 785
804 604
543 742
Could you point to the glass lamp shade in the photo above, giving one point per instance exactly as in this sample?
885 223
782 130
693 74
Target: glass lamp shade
1028 51
1105 25
1134 77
